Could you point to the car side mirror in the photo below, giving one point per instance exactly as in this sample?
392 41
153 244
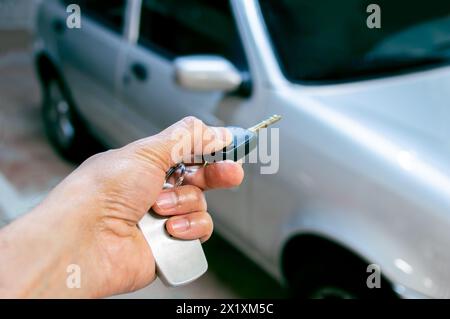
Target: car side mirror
206 73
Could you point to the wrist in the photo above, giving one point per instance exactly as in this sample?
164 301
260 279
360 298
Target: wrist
37 250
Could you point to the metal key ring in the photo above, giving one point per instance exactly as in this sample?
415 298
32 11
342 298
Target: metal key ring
173 169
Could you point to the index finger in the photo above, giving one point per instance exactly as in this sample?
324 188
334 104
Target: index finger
226 174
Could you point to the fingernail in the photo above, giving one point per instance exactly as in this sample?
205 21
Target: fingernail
179 224
166 200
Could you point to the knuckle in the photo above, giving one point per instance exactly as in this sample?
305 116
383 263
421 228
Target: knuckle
196 191
188 120
193 195
178 191
191 121
97 157
199 197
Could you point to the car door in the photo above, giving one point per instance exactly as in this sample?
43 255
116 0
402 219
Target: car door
89 58
173 28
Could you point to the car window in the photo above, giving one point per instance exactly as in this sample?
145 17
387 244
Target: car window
184 27
110 13
329 40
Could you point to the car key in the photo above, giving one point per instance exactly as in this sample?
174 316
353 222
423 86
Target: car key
178 261
244 141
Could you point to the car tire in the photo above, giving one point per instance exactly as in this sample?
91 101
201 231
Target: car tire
63 125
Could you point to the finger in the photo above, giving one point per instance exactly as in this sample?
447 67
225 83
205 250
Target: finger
224 174
198 225
180 200
182 141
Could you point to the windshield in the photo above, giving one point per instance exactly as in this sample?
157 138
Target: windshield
329 40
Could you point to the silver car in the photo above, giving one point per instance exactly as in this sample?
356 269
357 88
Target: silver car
363 186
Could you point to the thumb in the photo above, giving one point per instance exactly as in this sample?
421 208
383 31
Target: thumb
181 142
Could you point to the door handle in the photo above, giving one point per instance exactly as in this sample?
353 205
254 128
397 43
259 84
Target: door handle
59 26
139 71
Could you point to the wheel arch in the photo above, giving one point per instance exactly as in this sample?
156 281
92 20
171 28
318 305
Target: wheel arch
308 244
316 247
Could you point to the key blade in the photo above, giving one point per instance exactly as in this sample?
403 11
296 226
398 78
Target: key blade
271 120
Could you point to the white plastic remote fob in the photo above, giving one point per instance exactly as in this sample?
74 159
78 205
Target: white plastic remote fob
178 261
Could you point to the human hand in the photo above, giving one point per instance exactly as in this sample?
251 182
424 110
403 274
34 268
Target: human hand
90 219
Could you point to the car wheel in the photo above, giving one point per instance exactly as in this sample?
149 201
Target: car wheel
63 125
